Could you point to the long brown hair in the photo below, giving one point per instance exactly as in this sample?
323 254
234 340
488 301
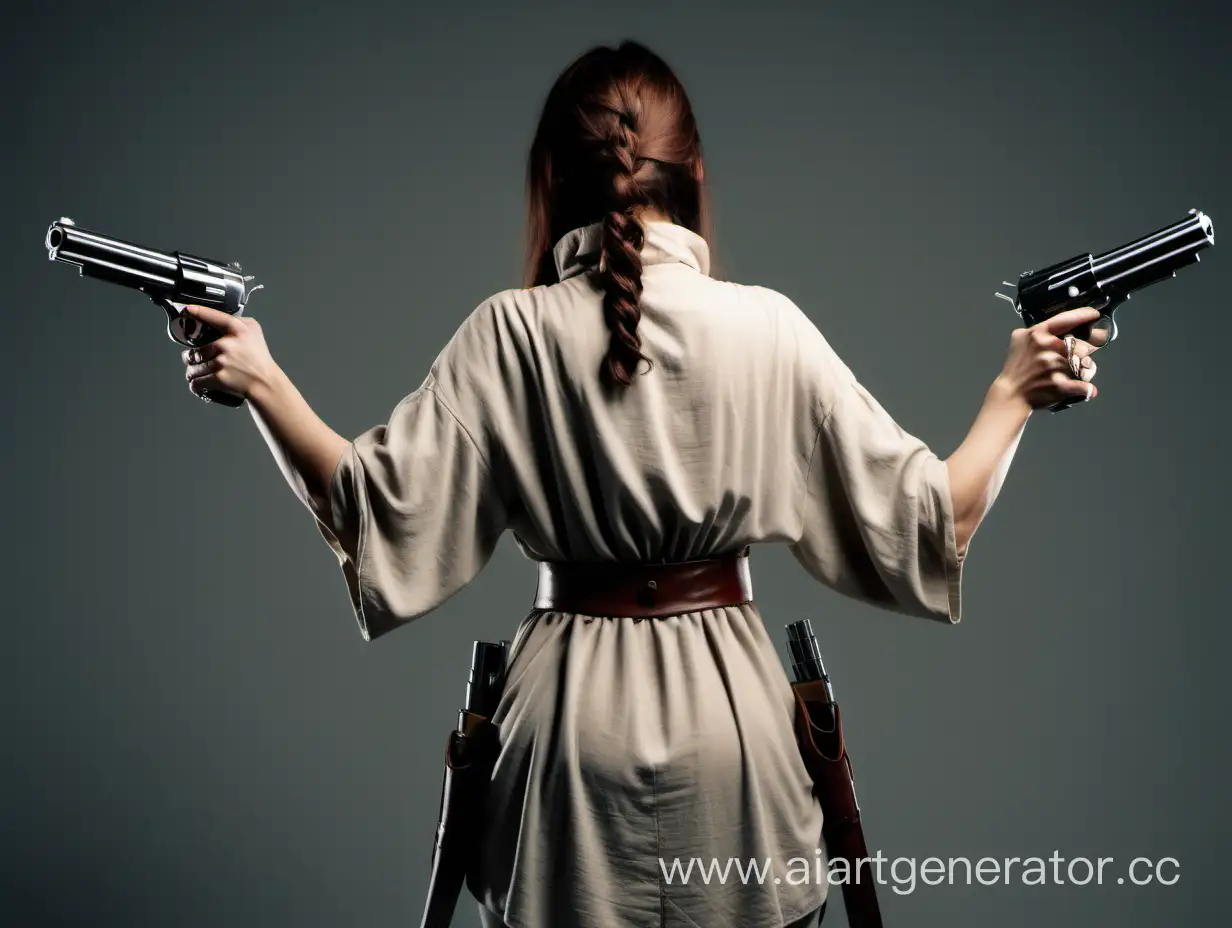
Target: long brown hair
617 134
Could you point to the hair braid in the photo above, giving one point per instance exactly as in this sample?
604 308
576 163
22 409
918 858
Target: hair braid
617 134
620 266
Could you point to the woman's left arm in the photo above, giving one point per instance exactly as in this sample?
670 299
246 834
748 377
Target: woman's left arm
306 449
412 509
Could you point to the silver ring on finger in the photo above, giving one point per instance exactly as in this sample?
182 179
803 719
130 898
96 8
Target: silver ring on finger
1073 360
194 355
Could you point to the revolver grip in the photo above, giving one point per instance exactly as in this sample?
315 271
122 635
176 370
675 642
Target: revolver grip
222 398
1099 333
183 329
1066 403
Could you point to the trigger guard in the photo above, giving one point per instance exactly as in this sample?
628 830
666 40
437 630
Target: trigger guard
1106 321
179 323
177 328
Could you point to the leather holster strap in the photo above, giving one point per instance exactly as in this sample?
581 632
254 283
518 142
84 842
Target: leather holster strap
644 590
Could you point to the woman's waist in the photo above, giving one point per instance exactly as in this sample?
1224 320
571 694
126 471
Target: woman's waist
644 590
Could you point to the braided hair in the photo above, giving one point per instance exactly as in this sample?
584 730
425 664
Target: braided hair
617 135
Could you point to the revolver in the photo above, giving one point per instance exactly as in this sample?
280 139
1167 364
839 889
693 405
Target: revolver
172 280
1106 281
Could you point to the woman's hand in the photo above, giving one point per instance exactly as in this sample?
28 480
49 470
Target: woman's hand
237 362
1044 367
306 449
1045 364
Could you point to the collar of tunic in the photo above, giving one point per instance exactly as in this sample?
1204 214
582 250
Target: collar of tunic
666 243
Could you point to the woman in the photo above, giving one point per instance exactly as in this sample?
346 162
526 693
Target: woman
625 409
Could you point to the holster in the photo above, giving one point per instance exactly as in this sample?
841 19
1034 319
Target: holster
819 732
469 757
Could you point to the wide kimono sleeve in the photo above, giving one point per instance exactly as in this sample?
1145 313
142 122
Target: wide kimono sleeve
877 517
415 512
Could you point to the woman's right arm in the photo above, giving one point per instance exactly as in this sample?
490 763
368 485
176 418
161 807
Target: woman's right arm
883 518
1036 374
306 449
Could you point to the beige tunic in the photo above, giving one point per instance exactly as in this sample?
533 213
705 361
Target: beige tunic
628 744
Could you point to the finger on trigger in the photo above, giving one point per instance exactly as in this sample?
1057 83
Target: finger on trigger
1069 319
215 317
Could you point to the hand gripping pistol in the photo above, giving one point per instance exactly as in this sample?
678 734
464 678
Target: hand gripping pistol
171 279
1106 281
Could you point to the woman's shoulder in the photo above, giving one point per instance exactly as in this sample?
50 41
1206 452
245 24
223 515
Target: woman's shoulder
783 313
502 327
525 307
772 301
504 312
800 337
517 318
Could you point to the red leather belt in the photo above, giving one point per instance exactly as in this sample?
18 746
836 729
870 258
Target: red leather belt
644 590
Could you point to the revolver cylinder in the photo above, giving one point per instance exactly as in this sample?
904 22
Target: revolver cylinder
166 278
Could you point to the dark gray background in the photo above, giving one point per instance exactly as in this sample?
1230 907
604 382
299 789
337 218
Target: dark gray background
195 732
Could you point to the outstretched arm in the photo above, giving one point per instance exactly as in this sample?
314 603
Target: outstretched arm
411 508
1036 374
305 448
